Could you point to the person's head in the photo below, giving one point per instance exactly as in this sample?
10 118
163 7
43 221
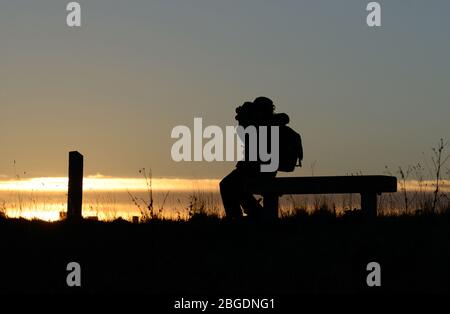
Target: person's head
264 107
254 113
264 104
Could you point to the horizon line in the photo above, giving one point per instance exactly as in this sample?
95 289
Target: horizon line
104 183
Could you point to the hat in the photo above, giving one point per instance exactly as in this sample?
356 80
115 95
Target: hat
264 104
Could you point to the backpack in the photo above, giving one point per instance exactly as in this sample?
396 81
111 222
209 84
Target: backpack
291 149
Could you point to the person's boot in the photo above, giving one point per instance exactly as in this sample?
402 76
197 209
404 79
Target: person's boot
253 209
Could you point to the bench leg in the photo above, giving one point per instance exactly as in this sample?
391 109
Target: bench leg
369 204
270 206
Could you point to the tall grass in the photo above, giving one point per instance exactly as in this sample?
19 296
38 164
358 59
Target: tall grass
146 205
2 209
203 203
439 159
19 193
424 201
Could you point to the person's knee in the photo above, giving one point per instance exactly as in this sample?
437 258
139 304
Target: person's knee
223 184
227 182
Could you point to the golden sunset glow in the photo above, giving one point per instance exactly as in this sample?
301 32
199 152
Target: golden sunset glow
108 198
29 213
425 186
105 198
101 183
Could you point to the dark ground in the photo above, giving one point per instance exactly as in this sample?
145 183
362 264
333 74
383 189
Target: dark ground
205 256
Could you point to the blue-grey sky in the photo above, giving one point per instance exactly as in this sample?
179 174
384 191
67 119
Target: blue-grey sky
113 89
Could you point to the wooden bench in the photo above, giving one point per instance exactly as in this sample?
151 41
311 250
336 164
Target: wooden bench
367 186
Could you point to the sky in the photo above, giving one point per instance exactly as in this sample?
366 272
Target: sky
113 89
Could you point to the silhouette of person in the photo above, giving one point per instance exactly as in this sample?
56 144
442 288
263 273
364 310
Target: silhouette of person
235 196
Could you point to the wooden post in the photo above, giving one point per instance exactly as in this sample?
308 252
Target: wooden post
270 206
369 203
75 193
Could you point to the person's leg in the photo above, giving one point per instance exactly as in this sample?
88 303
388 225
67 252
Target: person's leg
231 190
252 207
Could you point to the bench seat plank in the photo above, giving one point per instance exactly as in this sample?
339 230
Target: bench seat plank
325 185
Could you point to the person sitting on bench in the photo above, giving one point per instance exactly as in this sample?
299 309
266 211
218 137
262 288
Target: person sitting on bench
260 112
